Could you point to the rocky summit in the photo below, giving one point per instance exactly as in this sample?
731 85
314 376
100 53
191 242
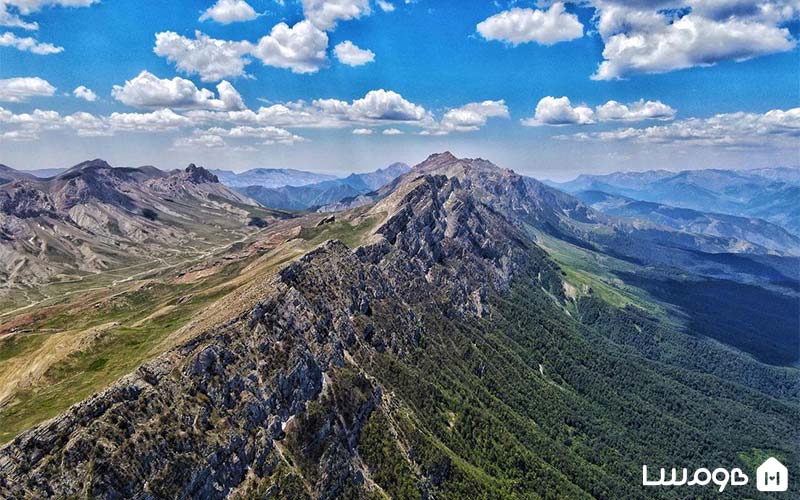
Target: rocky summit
442 352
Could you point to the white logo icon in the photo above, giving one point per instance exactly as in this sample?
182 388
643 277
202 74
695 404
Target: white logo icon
772 476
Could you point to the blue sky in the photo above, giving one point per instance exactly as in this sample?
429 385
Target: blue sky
711 83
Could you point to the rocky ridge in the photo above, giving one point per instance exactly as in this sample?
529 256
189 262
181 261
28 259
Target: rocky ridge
215 417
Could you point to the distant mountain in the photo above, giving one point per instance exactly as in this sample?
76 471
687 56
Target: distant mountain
784 174
378 178
8 174
270 177
326 192
44 173
771 194
744 229
94 217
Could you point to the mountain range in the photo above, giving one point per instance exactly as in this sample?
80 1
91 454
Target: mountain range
742 229
460 332
771 194
270 177
291 197
94 218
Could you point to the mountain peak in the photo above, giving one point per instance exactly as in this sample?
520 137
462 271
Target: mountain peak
444 156
97 163
199 175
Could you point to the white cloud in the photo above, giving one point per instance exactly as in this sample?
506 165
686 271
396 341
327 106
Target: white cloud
215 138
12 20
636 111
180 105
324 14
349 53
559 111
201 140
775 128
28 44
29 125
385 6
649 40
162 119
376 105
207 57
301 48
518 25
229 11
21 89
148 91
84 93
269 135
88 125
36 120
472 116
27 7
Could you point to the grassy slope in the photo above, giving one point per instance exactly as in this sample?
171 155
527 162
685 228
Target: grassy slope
72 349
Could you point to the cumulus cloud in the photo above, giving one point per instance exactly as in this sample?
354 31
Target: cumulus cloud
362 131
351 54
324 14
216 137
200 140
392 131
560 111
301 48
268 135
84 93
636 111
229 11
775 128
27 126
472 116
20 89
661 38
207 57
518 25
375 106
28 44
159 120
148 91
88 125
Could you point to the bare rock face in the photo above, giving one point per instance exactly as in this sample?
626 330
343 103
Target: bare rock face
24 201
199 175
216 417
